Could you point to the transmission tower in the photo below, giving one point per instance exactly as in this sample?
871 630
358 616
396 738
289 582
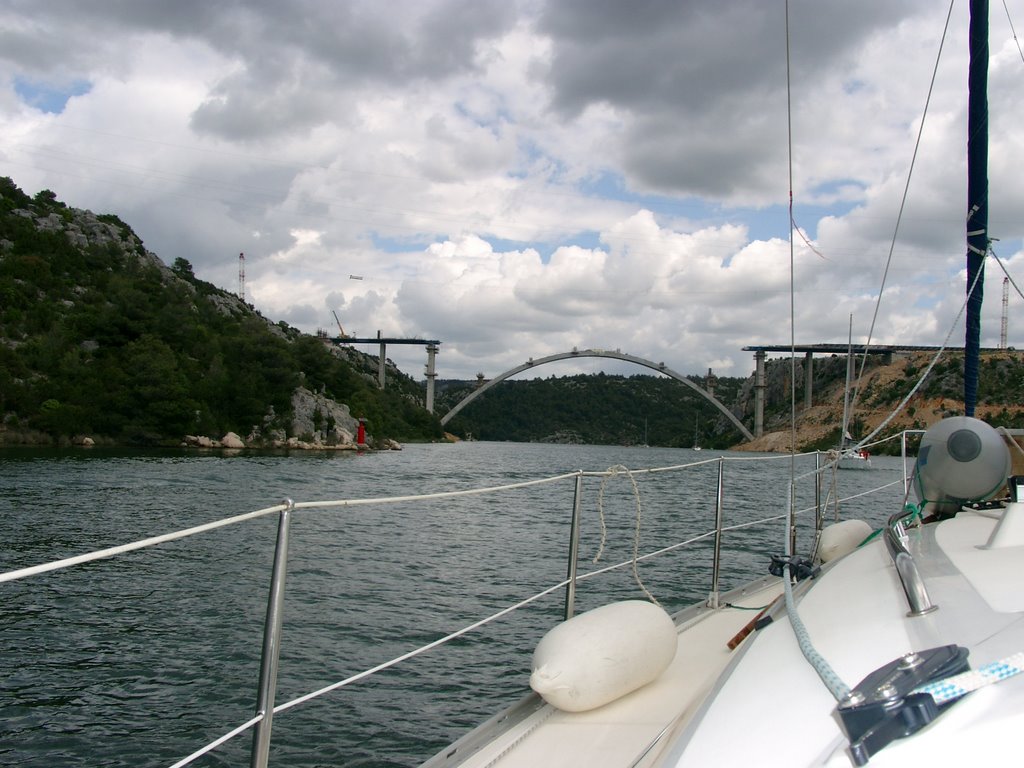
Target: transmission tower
1006 306
241 276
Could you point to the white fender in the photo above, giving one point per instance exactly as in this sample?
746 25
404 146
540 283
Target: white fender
603 654
842 538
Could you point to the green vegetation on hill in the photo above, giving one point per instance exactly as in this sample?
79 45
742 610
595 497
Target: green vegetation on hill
598 409
606 409
99 337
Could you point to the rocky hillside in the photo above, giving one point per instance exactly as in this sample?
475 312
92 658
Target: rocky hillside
1000 398
100 339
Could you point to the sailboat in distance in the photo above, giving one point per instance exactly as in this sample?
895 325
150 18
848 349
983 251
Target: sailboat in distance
849 457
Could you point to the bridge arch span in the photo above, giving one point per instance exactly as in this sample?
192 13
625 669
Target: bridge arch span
659 367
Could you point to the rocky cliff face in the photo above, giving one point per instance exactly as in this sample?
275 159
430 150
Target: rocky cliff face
84 228
325 421
318 423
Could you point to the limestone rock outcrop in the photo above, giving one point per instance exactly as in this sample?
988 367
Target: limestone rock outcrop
320 420
317 423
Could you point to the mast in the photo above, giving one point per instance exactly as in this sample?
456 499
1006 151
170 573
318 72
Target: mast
977 195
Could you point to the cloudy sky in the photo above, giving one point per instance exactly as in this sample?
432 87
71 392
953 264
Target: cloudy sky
520 177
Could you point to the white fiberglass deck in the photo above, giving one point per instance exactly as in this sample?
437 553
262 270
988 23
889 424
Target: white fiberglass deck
624 731
857 616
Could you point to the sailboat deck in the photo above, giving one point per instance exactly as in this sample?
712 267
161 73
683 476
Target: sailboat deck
622 732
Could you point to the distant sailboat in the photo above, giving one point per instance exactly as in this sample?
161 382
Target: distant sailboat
696 433
850 458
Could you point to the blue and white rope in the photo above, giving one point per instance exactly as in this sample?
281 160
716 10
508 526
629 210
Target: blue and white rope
832 681
959 685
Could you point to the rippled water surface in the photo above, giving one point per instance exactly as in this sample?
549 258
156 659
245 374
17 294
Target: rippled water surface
143 658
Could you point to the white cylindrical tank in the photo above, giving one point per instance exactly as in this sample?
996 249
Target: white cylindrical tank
961 460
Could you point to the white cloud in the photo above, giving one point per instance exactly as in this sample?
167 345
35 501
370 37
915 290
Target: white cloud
518 178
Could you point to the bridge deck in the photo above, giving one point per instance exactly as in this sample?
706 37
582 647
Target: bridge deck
841 349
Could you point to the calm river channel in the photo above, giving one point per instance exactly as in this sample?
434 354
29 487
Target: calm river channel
140 659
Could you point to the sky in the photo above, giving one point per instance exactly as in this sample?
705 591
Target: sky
516 178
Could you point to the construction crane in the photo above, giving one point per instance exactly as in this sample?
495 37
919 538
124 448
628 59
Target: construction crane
341 331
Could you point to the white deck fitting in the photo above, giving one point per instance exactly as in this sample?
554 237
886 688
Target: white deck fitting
997 574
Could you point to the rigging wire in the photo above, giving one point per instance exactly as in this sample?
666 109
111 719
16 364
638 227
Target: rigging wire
899 215
994 255
790 544
828 676
989 252
924 375
1013 31
1006 272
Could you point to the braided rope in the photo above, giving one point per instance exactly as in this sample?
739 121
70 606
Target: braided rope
832 681
954 687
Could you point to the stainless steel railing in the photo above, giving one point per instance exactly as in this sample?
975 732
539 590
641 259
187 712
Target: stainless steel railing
895 542
271 643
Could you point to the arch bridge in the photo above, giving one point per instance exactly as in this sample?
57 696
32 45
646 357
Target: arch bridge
616 355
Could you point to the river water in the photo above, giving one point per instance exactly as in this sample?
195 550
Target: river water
141 659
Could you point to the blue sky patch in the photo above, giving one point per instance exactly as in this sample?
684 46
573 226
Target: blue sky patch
49 97
411 244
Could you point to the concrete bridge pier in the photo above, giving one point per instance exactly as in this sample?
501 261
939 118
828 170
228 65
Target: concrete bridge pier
759 357
808 379
431 375
382 341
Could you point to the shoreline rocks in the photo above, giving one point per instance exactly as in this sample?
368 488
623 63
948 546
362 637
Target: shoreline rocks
317 423
232 442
